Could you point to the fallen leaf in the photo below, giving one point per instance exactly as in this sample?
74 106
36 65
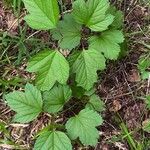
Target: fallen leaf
134 76
116 106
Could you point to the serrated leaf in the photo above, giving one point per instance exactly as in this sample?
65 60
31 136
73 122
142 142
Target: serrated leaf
80 11
27 104
108 43
50 66
55 99
95 103
103 25
68 33
53 140
85 65
93 14
83 126
119 17
43 14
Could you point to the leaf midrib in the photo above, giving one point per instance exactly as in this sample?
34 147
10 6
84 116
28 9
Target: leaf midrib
44 12
23 102
50 65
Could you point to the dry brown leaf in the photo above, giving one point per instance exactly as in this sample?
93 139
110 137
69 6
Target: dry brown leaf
116 106
134 76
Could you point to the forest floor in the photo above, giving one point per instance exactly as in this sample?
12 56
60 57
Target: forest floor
120 86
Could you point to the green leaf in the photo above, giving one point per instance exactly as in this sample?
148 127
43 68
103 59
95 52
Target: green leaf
145 75
55 99
124 49
80 11
108 43
43 15
50 66
3 128
93 14
84 126
148 101
95 103
103 25
119 17
53 140
27 105
90 92
85 65
77 91
143 65
68 33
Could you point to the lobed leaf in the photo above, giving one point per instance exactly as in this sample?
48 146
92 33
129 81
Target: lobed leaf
93 14
68 33
55 99
28 105
119 17
43 14
80 11
85 65
83 126
53 140
108 43
50 66
95 103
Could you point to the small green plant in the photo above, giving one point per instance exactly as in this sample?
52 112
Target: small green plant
144 66
84 39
